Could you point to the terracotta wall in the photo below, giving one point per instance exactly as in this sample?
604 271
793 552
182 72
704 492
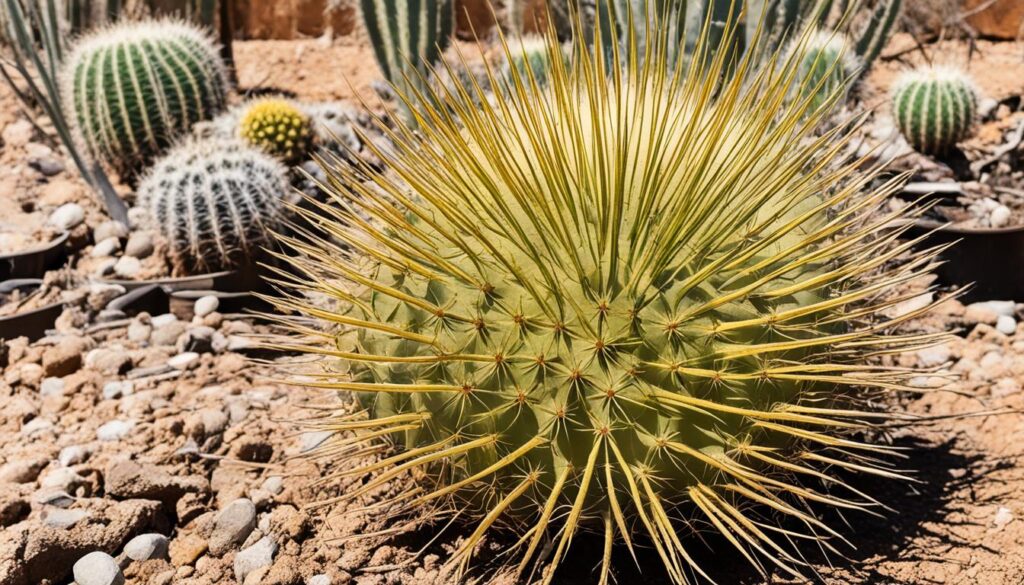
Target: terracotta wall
289 19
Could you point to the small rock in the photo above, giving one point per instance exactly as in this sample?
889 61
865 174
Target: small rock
255 557
314 439
55 497
64 358
115 430
117 388
167 334
64 478
98 568
64 519
198 339
934 356
163 320
105 268
205 305
1003 517
130 480
52 387
139 331
273 484
185 549
105 248
48 166
140 245
999 217
72 455
67 216
18 133
112 361
110 229
320 579
234 524
980 313
37 426
146 546
127 267
1006 325
101 294
22 470
184 361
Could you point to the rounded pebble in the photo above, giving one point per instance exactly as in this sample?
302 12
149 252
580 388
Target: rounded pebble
206 305
1006 325
183 361
67 216
146 546
97 568
114 430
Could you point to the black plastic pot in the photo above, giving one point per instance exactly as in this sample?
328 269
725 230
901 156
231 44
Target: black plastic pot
992 259
34 262
31 324
227 281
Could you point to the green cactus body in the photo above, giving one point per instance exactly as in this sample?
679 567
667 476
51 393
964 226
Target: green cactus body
216 202
408 37
827 67
934 108
606 305
132 89
277 126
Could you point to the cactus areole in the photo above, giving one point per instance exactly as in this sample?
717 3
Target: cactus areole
627 303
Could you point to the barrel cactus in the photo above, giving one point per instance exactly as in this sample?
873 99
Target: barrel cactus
612 304
934 107
827 66
133 88
277 126
216 202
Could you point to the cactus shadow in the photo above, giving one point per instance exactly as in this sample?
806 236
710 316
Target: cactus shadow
921 510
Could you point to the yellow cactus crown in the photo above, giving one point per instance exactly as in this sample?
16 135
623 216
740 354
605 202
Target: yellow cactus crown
278 126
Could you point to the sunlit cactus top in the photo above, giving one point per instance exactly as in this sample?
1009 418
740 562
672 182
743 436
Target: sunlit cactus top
278 126
628 298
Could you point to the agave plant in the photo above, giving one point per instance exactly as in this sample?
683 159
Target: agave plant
625 299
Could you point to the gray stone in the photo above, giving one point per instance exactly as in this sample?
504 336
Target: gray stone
55 497
48 166
255 557
205 305
184 361
320 579
139 331
52 387
67 216
115 430
167 334
314 439
98 568
127 267
140 245
64 478
105 248
60 518
110 229
164 319
273 484
233 525
146 546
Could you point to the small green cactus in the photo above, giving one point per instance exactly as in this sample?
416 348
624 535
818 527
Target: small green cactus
277 126
530 56
934 107
826 67
133 88
216 202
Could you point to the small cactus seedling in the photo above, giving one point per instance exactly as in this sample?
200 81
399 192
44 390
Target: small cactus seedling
629 302
934 107
826 67
133 88
277 126
216 202
531 58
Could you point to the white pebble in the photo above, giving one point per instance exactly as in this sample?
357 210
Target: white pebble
67 216
115 430
52 387
1003 517
999 217
97 568
255 557
106 248
161 320
127 267
320 579
1006 325
183 361
206 305
72 455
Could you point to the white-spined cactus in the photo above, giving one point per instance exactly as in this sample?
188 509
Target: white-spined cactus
629 302
934 107
133 88
216 202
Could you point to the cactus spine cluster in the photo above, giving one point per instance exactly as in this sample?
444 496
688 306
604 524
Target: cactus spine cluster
408 38
934 107
826 66
608 305
277 126
133 88
216 202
